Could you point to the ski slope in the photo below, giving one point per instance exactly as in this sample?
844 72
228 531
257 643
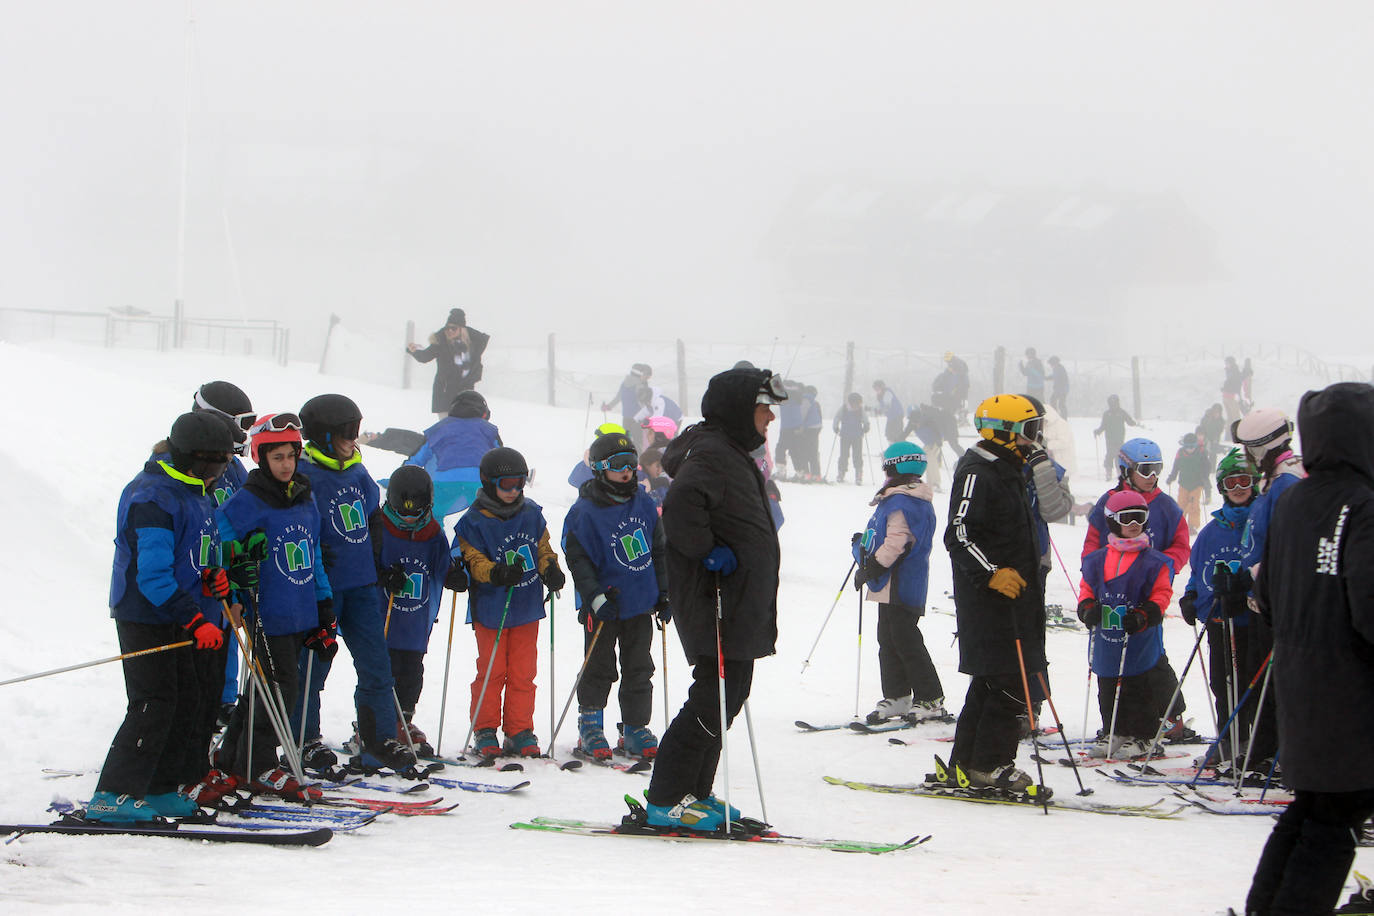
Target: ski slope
79 424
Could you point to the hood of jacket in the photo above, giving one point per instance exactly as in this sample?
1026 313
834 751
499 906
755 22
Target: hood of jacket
1337 429
728 405
917 488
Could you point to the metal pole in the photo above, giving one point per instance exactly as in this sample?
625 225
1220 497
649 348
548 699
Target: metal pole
838 595
724 720
448 659
99 661
754 752
596 634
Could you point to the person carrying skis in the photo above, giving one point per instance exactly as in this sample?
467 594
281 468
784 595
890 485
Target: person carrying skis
893 553
613 543
1113 430
716 521
273 528
414 567
1316 588
504 541
452 449
347 496
851 426
1191 470
998 600
1121 599
165 587
1229 625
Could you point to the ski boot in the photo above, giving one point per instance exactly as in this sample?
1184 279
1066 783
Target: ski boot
390 754
109 808
521 744
214 787
591 736
927 711
1362 901
485 745
945 776
316 757
637 741
172 804
420 740
1176 731
688 814
279 782
889 708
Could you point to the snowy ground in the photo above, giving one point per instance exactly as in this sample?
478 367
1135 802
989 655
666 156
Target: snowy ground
79 424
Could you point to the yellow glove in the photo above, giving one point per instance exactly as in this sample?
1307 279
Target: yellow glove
1006 581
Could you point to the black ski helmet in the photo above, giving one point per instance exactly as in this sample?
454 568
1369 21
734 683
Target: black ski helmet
469 404
327 415
410 491
501 462
227 400
199 439
603 450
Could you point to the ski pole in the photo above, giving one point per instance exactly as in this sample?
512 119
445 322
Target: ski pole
1232 685
859 654
1254 729
553 670
1062 566
825 473
1263 670
1030 715
1116 699
1088 687
402 725
663 631
448 658
482 694
596 634
833 604
258 687
1045 688
754 752
1168 707
724 719
309 673
277 714
99 661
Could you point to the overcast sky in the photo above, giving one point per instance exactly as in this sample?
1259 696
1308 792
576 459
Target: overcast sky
554 165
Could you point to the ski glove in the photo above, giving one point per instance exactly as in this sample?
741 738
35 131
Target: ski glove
507 575
1187 606
663 609
606 605
1006 581
721 559
206 634
456 579
554 577
869 570
324 642
392 578
1231 588
214 582
1090 612
1138 618
324 612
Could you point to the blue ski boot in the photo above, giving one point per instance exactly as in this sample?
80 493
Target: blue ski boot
484 743
688 814
109 808
718 805
521 744
591 735
638 741
172 804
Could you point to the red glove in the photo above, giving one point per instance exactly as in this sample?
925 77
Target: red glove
207 635
214 582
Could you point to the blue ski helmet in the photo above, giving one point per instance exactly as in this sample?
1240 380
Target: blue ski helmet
904 458
1138 451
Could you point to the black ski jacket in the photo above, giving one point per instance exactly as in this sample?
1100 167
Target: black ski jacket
991 525
1316 587
717 497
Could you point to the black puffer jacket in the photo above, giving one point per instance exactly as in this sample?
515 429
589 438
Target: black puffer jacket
991 525
1316 586
717 497
458 365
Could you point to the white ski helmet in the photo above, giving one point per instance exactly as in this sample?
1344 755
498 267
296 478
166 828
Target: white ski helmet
1264 432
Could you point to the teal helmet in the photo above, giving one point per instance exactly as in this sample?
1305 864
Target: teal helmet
904 458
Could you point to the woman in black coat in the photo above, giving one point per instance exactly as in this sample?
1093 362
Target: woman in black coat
720 536
458 351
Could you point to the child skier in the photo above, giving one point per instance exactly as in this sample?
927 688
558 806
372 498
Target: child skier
452 449
165 586
1221 542
1191 469
1121 600
505 542
1113 429
347 496
413 569
894 562
273 519
614 546
851 426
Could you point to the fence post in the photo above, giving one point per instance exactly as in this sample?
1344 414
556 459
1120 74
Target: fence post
848 372
999 368
1135 385
407 362
553 367
682 377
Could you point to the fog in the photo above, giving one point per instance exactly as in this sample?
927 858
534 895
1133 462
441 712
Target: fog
709 170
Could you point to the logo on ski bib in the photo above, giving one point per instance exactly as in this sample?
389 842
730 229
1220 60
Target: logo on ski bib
348 516
630 544
293 554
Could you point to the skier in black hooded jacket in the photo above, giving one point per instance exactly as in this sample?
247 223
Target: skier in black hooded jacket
722 555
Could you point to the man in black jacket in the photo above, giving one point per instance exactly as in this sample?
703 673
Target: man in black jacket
998 590
1316 588
716 520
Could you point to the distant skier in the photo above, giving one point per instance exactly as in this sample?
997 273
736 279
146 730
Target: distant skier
1113 430
456 351
1034 371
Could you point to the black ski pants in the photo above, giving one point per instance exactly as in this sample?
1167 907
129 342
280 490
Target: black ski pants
903 661
1309 853
1264 742
154 748
988 730
1144 701
635 636
276 657
690 750
408 670
209 665
851 450
1219 655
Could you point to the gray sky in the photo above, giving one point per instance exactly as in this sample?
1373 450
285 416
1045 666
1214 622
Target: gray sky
552 165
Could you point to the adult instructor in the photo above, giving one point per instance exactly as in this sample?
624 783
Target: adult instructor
722 554
457 351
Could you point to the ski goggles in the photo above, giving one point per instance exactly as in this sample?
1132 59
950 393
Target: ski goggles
277 423
771 391
243 421
1031 428
514 482
1133 516
1237 482
1148 468
620 461
348 432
